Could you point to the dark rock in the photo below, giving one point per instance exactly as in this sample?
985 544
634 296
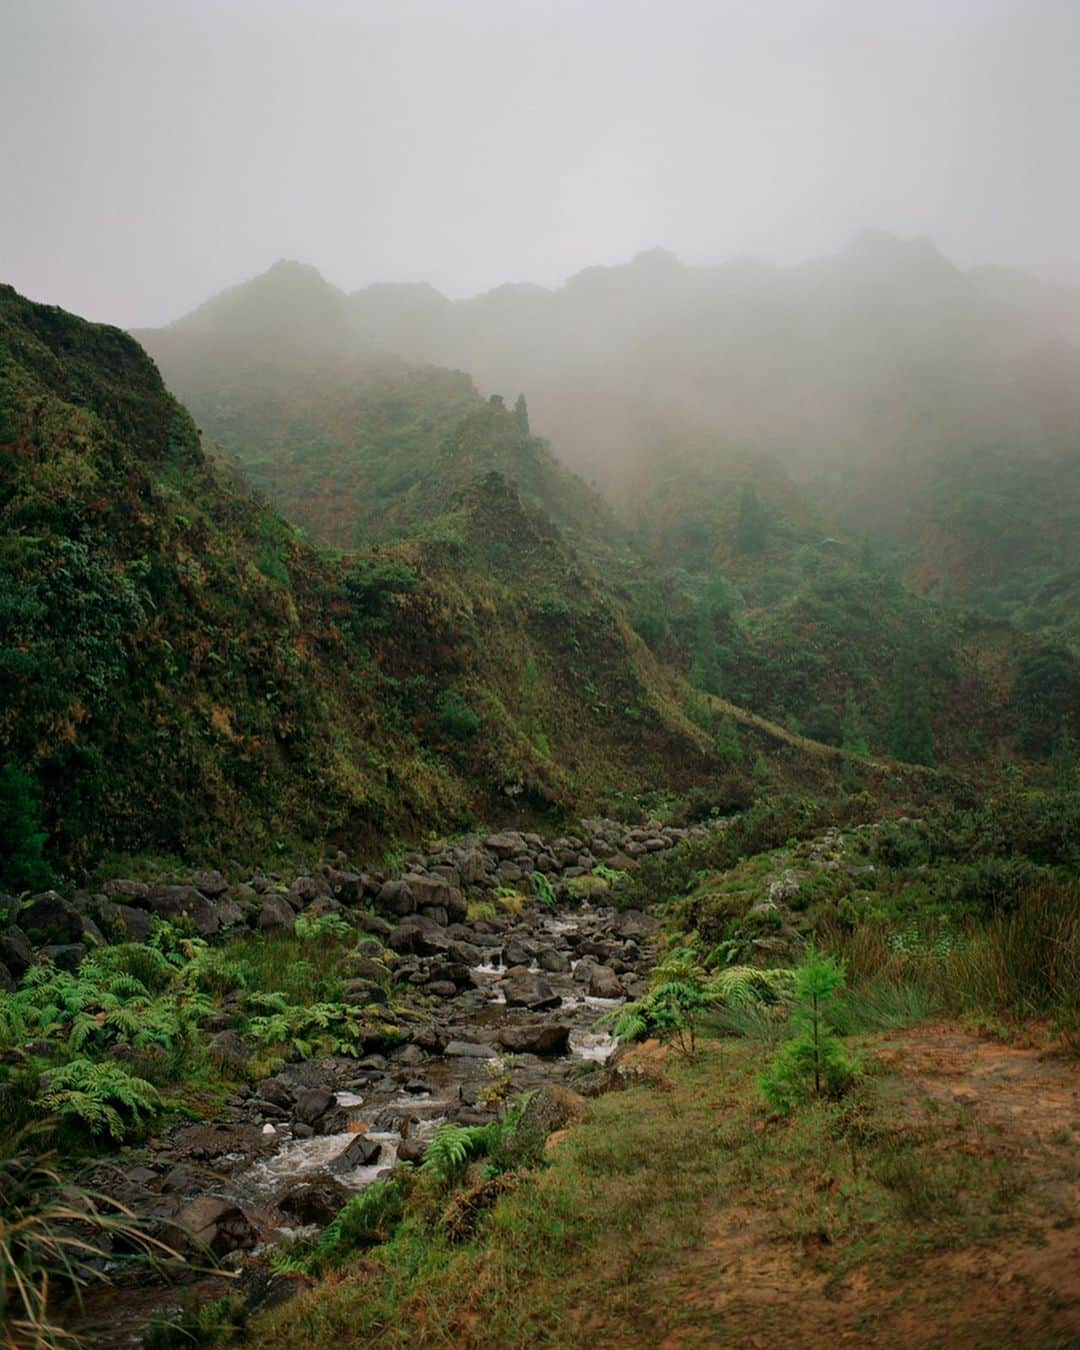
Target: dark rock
552 961
543 1038
468 1050
126 890
305 889
515 954
314 1202
275 1091
396 898
7 980
442 988
49 918
228 1048
313 1103
124 923
634 923
348 887
361 992
15 950
211 883
66 955
529 991
276 913
359 1152
411 1151
325 904
505 845
473 865
184 902
216 1224
604 983
372 923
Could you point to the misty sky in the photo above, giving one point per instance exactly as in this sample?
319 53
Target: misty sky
155 151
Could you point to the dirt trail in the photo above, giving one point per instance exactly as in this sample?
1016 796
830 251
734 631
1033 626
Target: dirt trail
1018 1105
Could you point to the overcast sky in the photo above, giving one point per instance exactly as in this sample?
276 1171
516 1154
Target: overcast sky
155 151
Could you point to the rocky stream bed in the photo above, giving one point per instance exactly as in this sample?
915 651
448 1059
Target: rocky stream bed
484 1009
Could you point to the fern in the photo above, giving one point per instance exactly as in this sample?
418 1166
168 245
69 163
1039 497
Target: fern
326 925
100 1098
455 1145
545 892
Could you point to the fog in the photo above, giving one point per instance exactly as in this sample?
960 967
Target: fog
152 153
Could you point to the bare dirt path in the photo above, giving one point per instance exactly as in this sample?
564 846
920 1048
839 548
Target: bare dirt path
1017 1108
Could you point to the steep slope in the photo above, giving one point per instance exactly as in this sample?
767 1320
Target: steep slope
349 442
180 671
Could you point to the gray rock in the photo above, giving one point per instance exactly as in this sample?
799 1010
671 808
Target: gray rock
276 912
124 923
526 990
213 1223
65 955
184 902
541 1038
552 961
126 890
468 1050
604 983
211 883
228 1048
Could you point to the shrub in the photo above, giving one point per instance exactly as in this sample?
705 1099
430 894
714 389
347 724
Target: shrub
456 718
814 1060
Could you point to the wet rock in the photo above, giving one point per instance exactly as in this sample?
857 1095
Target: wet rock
276 1092
552 961
542 1038
604 983
216 1224
184 1180
442 988
410 1055
584 969
314 1202
312 1104
526 990
516 954
634 923
359 1152
468 1050
49 918
276 912
412 1151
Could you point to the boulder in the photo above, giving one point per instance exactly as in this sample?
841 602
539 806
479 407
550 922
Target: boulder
125 891
526 990
49 918
346 887
15 950
229 1050
396 898
213 1223
313 1103
184 902
305 889
634 923
7 980
473 865
276 912
359 1152
542 1038
65 955
552 961
211 883
604 983
124 923
360 992
468 1050
505 845
314 1202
